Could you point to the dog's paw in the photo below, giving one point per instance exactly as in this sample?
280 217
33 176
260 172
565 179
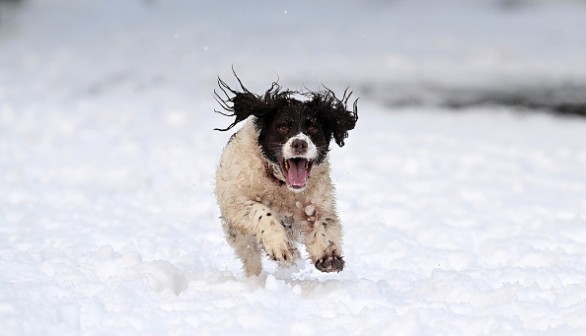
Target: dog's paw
279 248
332 263
284 254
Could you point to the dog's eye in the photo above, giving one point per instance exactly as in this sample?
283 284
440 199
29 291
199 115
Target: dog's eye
312 129
283 129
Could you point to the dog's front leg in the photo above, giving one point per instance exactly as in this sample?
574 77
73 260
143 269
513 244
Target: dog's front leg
267 227
324 244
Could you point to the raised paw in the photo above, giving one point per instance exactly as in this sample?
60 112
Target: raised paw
285 254
279 248
329 264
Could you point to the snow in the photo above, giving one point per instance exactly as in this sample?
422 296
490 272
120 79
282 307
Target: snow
460 222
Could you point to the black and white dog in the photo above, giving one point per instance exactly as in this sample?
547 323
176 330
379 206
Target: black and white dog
273 183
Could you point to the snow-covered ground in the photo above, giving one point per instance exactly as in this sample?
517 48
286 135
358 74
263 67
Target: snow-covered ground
456 222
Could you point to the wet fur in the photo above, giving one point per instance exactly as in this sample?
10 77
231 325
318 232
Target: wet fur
259 212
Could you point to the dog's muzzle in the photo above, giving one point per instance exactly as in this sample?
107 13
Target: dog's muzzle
299 155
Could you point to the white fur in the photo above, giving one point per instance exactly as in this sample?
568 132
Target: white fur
288 152
259 212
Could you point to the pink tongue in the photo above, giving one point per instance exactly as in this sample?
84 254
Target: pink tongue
297 174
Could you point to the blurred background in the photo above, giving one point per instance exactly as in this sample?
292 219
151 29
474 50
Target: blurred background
454 53
461 189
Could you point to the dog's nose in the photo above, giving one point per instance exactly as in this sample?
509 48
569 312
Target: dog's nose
299 146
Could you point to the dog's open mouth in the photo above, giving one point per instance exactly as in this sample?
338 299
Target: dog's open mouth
296 172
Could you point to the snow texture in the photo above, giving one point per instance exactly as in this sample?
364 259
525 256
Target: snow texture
456 223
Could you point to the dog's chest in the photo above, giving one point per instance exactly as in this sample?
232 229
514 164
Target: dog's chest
297 212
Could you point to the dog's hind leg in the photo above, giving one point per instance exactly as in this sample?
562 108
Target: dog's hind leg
249 252
246 247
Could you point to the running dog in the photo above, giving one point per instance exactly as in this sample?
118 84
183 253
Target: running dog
273 182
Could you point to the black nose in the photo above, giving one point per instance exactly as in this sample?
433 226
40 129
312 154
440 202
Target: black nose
299 146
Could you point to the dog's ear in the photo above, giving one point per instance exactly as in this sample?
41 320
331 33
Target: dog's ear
246 104
241 105
338 120
345 122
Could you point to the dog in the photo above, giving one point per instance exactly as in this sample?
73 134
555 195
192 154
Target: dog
273 184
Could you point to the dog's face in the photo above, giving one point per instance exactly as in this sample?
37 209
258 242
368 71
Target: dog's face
294 138
293 135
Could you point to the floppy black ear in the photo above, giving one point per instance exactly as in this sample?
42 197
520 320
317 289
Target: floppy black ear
337 118
241 105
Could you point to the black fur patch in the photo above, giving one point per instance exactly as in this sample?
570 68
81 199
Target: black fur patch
279 116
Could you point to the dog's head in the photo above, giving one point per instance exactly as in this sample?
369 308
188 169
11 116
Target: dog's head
294 135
